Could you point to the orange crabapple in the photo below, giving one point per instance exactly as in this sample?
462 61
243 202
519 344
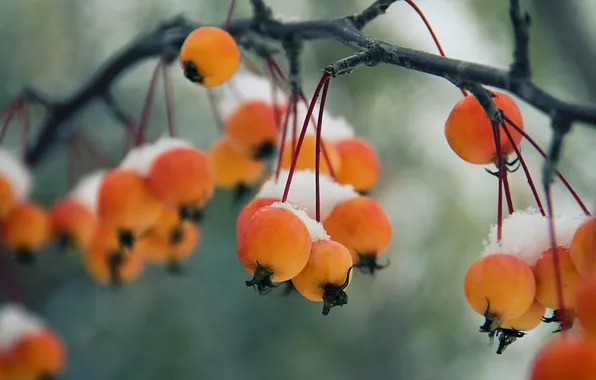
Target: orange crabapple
469 131
585 307
565 359
546 286
233 169
514 328
252 129
249 210
7 196
306 157
275 245
326 275
183 178
583 248
360 165
15 181
362 226
29 350
209 56
72 222
25 230
170 241
499 287
106 262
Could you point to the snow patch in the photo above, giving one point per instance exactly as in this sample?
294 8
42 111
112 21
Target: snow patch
315 229
250 87
335 127
525 234
302 191
87 189
16 324
15 171
142 157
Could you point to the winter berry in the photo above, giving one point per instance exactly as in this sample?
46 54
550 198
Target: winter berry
72 222
583 248
306 157
126 204
209 56
275 245
15 181
512 329
326 275
249 210
565 359
546 285
585 307
25 230
362 226
252 129
360 165
499 287
469 131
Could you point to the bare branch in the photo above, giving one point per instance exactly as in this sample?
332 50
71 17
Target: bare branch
293 48
520 20
168 38
561 127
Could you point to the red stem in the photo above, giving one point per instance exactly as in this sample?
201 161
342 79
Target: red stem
294 127
24 111
508 193
556 261
501 168
10 112
524 167
215 110
537 147
432 33
324 78
167 85
318 153
146 113
230 14
284 134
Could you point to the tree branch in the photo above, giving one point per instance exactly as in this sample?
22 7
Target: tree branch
520 68
170 36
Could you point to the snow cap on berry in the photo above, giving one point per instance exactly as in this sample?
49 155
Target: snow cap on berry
315 229
16 173
302 191
142 157
16 324
525 234
249 87
87 189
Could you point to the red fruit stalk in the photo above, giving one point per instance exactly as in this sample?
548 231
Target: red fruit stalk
501 168
9 111
318 153
146 113
284 133
167 86
230 14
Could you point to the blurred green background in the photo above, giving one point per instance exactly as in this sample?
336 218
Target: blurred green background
409 322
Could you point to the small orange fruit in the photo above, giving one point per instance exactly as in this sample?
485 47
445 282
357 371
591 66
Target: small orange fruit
73 223
499 287
585 307
565 359
362 226
274 247
306 157
469 131
360 165
511 329
7 196
249 210
126 204
25 230
326 275
252 129
183 178
583 248
546 286
209 56
106 263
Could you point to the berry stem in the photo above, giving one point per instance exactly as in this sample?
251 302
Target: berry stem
324 78
215 110
284 133
24 113
318 154
501 168
294 126
167 86
146 113
510 207
543 154
10 111
522 162
556 261
432 33
230 14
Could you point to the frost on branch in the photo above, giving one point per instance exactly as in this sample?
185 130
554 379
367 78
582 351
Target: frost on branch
16 173
315 229
302 192
142 157
15 324
525 234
